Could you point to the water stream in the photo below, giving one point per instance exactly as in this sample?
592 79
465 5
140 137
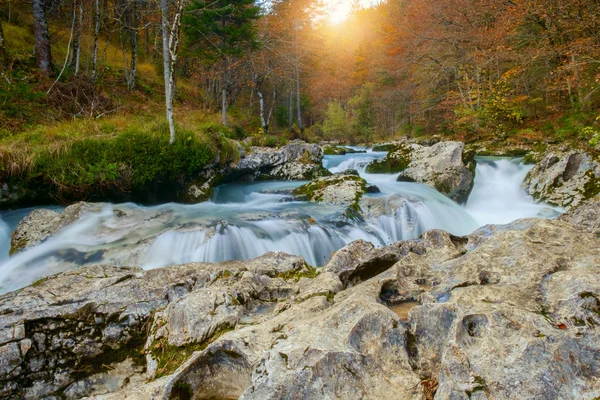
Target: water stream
243 221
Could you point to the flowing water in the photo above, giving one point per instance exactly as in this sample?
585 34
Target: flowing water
243 221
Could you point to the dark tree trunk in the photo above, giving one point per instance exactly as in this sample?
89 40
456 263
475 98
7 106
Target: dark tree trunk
43 54
3 53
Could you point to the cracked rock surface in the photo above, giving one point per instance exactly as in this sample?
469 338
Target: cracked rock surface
509 312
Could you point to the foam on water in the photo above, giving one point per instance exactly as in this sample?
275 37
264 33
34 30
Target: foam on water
244 221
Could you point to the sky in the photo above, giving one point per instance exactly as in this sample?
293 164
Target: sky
339 10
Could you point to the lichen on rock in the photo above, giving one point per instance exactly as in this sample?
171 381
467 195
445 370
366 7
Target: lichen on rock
564 179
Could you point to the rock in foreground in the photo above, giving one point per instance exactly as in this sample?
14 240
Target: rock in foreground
509 312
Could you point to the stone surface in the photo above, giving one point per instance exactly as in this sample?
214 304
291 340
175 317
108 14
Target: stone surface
41 224
586 215
564 179
78 323
294 161
508 312
343 188
442 165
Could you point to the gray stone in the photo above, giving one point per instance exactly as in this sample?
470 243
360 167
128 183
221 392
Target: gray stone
565 179
443 167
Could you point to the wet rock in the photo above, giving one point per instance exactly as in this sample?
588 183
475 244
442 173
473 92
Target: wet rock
586 215
40 224
565 179
508 311
398 159
344 188
443 167
333 150
294 161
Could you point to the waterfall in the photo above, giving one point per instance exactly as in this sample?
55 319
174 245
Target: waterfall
246 220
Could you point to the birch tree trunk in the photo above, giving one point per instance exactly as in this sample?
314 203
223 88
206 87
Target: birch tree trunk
167 67
134 46
261 104
43 54
76 55
271 109
96 38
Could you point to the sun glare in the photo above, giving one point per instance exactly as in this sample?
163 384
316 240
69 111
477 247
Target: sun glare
339 10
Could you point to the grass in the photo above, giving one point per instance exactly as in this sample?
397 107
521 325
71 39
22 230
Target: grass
80 159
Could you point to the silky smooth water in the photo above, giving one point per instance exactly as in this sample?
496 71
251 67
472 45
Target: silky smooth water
243 221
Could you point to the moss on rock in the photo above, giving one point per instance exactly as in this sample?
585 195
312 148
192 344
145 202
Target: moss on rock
396 161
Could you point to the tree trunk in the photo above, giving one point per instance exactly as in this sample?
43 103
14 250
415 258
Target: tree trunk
76 55
272 107
224 95
261 104
3 53
291 110
96 38
224 105
167 67
298 95
134 45
43 54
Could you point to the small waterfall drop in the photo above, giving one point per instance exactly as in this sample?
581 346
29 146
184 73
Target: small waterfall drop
499 198
246 220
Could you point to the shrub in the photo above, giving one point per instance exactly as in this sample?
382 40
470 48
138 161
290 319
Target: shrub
130 160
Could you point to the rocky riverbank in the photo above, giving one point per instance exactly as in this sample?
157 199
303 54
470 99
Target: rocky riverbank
507 310
294 161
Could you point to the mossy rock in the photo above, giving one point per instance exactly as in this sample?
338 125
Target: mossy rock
395 161
386 147
340 151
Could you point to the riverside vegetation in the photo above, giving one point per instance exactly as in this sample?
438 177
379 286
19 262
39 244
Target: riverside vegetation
256 109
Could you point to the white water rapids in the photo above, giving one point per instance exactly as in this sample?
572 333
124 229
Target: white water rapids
244 221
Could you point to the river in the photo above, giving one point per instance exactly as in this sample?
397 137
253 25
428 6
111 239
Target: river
244 221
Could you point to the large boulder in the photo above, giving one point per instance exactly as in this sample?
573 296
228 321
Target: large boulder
586 215
40 224
68 331
564 179
443 165
398 158
344 188
294 161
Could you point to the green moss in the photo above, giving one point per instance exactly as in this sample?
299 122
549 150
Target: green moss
312 190
332 150
396 161
171 357
386 147
39 282
181 391
592 187
306 272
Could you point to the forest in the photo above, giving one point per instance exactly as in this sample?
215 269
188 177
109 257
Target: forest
465 68
300 199
78 76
